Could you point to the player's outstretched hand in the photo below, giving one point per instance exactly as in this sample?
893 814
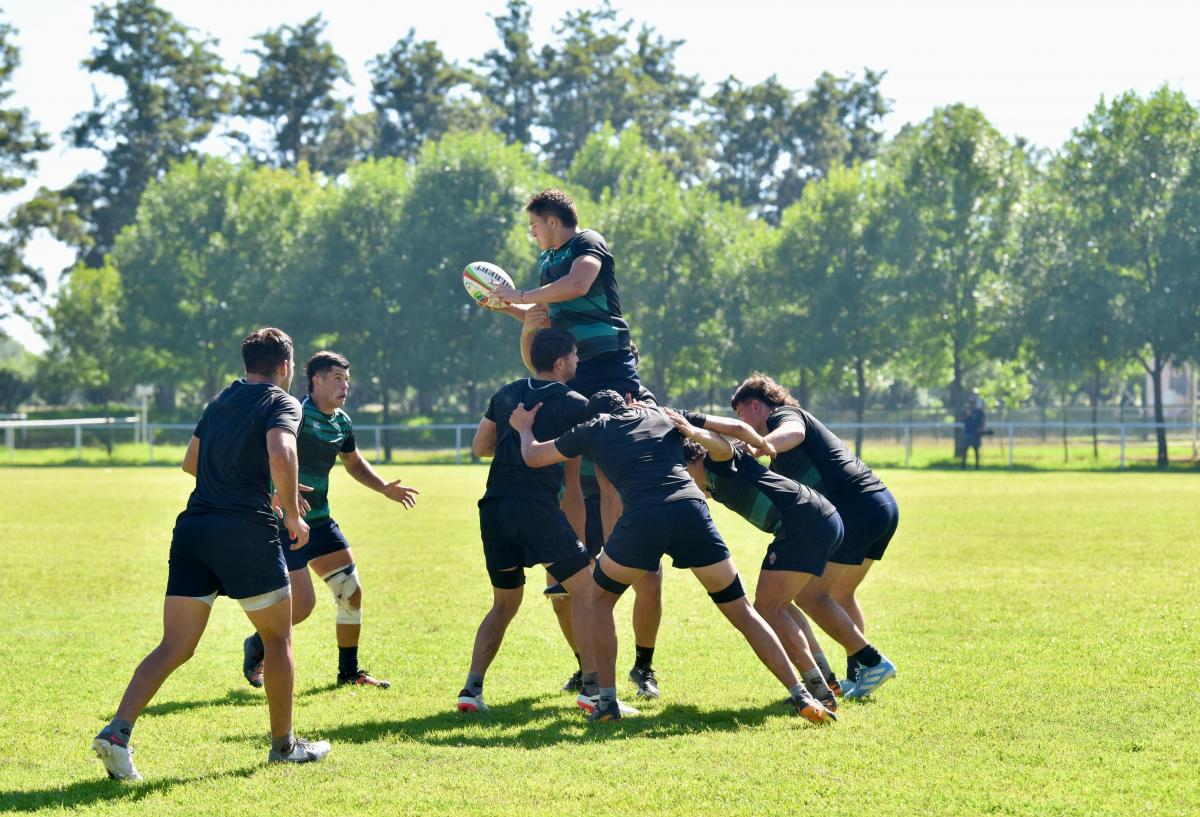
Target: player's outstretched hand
537 316
277 503
684 427
399 493
522 418
765 450
297 530
503 292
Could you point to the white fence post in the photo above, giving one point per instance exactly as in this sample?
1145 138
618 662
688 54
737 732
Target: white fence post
79 443
1122 446
150 441
458 445
1010 445
378 445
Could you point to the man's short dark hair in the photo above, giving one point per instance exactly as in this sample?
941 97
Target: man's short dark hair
548 346
692 451
759 386
265 350
323 361
605 401
554 203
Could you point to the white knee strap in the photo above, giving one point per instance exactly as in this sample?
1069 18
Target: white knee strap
343 583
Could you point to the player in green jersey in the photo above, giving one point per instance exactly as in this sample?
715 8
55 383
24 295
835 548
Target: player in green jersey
326 434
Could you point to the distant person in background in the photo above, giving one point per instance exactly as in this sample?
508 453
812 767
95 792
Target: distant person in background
974 422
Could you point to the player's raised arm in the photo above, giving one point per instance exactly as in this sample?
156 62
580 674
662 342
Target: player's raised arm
536 454
716 445
362 471
575 284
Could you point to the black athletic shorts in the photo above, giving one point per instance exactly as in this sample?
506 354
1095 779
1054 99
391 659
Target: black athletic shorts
612 370
523 533
870 521
227 553
593 533
804 542
324 537
682 529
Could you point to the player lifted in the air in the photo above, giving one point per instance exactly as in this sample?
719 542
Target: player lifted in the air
226 540
520 521
665 513
326 434
811 454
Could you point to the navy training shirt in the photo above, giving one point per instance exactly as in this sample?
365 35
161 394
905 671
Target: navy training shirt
822 461
233 474
641 453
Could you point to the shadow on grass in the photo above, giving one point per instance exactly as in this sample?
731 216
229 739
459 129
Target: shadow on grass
234 697
534 723
109 792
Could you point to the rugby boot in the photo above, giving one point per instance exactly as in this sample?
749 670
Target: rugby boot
301 751
252 662
362 678
471 703
116 754
647 682
612 711
835 686
869 679
588 704
809 708
574 683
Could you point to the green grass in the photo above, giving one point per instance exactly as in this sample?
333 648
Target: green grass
1045 626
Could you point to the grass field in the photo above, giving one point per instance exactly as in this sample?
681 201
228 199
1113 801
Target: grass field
1045 626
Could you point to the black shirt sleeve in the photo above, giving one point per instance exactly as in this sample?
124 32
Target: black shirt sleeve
588 243
785 414
348 444
577 441
694 417
720 467
490 414
284 413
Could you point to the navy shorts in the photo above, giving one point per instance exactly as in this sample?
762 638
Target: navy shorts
805 541
612 370
593 528
870 521
522 533
224 553
323 538
682 529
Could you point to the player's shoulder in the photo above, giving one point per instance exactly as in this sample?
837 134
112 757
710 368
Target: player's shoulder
787 414
590 238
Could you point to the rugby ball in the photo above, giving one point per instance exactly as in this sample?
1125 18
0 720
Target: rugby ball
479 277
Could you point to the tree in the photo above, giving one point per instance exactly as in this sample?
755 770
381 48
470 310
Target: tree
84 330
1132 171
175 93
832 256
512 76
293 92
419 95
957 199
752 137
594 76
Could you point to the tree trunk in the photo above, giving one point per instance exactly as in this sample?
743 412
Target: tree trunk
108 430
860 405
1095 411
387 435
1066 454
164 397
802 387
956 400
1160 429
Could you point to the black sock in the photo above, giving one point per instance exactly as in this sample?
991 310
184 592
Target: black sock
256 642
348 661
644 658
868 656
851 667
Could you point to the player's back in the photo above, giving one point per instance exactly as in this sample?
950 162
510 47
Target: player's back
641 453
233 474
822 461
561 409
759 495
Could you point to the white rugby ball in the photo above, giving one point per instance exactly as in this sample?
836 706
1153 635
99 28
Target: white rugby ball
479 278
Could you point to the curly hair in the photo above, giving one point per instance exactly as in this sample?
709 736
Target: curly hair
554 203
759 386
605 401
692 451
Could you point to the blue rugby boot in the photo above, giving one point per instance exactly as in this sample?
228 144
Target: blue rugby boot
869 679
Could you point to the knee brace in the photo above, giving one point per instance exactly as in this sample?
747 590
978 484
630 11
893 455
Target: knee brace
507 579
611 585
564 569
343 583
731 593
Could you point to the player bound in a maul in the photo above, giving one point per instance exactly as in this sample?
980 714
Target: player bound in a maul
226 541
642 452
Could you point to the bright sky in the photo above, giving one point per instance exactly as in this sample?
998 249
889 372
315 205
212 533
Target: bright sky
1034 67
